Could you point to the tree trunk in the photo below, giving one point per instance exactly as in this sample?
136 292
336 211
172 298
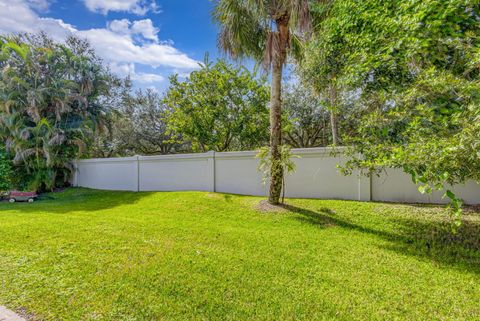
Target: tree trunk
276 174
333 114
279 57
333 124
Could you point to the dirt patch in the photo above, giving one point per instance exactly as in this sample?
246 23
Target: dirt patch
27 315
265 207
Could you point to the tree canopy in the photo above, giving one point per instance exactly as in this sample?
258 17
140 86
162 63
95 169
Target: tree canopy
50 105
307 122
414 67
220 107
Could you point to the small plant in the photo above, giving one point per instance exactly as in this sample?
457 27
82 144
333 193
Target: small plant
286 165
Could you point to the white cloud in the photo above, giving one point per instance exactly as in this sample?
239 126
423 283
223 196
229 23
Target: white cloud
17 16
146 78
122 48
138 7
124 70
41 5
118 43
120 26
145 28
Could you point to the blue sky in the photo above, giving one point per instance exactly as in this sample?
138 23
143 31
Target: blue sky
148 39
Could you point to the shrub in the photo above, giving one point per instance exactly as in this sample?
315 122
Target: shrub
5 172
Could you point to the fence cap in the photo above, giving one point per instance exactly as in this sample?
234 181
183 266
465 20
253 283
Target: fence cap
298 151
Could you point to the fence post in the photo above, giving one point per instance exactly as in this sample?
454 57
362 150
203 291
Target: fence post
75 174
211 160
138 172
364 187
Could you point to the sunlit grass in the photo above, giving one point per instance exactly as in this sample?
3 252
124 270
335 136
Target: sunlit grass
93 255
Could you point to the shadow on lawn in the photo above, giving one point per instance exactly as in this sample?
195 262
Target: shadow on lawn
75 199
427 240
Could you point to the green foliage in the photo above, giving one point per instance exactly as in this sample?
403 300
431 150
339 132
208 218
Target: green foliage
51 104
5 172
308 117
250 29
138 126
268 164
414 66
147 132
307 122
219 107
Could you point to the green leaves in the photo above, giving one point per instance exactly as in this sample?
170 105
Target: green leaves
425 189
246 27
5 171
21 49
219 107
410 64
50 99
267 161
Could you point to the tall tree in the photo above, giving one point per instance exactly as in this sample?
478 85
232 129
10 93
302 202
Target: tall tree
220 107
322 65
148 132
414 65
137 125
266 30
51 104
307 116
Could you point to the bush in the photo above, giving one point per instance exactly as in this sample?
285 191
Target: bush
5 172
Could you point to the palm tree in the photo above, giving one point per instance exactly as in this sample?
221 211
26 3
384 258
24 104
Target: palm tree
50 104
267 31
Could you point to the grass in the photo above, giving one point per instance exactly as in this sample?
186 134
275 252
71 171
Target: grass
92 255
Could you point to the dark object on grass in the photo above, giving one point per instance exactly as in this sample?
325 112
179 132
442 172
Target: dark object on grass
16 196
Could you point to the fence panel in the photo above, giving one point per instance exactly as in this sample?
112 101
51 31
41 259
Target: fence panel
176 172
118 174
316 176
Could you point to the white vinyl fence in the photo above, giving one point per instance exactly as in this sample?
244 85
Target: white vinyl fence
316 176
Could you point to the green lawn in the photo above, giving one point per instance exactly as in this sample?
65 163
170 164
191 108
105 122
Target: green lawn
92 255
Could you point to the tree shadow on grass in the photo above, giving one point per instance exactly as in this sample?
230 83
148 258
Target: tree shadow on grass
75 200
429 240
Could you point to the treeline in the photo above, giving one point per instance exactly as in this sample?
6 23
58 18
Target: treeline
221 107
60 102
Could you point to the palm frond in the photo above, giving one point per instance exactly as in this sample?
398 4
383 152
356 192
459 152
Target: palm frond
22 155
57 139
250 27
243 30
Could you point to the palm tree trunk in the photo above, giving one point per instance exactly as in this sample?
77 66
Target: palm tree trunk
279 56
276 173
